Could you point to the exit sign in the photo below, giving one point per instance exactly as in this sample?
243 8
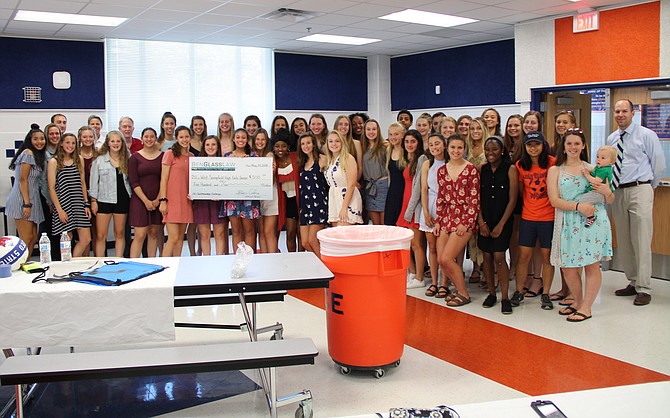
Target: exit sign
585 22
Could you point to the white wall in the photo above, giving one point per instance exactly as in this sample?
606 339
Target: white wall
534 53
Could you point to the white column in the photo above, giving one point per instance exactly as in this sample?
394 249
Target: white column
379 90
534 57
664 70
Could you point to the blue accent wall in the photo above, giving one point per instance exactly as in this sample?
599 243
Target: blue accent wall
32 62
473 75
312 82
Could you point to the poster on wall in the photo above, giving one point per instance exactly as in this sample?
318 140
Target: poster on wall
657 118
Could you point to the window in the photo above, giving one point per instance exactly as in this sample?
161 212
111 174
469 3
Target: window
147 78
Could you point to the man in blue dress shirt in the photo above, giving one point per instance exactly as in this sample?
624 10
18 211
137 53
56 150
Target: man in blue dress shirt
638 170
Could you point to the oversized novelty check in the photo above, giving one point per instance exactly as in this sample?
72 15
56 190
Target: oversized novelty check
230 178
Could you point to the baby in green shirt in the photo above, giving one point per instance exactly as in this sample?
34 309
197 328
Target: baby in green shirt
602 172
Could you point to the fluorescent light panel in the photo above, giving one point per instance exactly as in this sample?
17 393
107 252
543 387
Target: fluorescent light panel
67 18
428 18
337 39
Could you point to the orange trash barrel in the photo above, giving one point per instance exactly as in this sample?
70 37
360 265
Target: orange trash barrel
365 302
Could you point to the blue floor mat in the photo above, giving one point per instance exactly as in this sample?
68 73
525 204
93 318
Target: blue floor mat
131 397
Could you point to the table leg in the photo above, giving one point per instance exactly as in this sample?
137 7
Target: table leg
247 318
19 401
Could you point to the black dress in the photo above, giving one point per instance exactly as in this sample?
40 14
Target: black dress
494 187
394 197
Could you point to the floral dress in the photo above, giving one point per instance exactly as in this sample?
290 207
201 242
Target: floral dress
457 199
573 244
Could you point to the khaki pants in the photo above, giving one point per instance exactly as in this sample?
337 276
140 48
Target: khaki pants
632 210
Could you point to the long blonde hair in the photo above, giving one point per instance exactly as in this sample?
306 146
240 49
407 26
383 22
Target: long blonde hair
123 153
485 132
402 162
349 136
344 150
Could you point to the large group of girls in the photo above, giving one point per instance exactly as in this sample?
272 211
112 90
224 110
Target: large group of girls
470 186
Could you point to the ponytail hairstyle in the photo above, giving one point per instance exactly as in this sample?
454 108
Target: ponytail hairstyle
166 115
39 155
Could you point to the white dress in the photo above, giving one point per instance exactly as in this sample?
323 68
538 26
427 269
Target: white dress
337 181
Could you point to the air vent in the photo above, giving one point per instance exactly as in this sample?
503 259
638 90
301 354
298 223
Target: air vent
290 15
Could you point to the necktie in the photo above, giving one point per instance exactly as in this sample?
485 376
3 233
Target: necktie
616 170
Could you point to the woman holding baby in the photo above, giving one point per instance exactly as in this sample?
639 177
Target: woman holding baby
576 245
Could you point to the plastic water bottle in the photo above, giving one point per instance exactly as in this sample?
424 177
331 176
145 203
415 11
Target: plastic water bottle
65 247
45 249
243 257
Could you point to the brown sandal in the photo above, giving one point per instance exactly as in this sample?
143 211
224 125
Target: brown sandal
442 292
432 290
458 300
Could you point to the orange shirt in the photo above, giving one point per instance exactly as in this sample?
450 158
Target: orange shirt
536 205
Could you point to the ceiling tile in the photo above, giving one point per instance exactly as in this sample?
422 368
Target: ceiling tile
336 19
329 6
450 7
266 24
211 19
516 18
237 22
198 6
108 10
167 15
302 28
51 6
378 24
370 10
243 10
136 3
488 13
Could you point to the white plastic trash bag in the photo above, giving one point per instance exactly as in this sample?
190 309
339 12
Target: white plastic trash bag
345 241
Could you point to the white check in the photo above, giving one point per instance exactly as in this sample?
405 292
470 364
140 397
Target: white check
230 178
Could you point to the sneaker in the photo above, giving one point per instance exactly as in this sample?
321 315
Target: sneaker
413 283
517 298
547 305
410 277
490 301
589 221
506 308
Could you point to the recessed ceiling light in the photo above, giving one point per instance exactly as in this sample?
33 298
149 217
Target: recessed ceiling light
428 18
337 39
67 18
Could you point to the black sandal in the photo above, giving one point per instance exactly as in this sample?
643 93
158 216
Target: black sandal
431 291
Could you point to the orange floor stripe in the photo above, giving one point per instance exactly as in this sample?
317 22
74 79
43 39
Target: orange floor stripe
517 359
